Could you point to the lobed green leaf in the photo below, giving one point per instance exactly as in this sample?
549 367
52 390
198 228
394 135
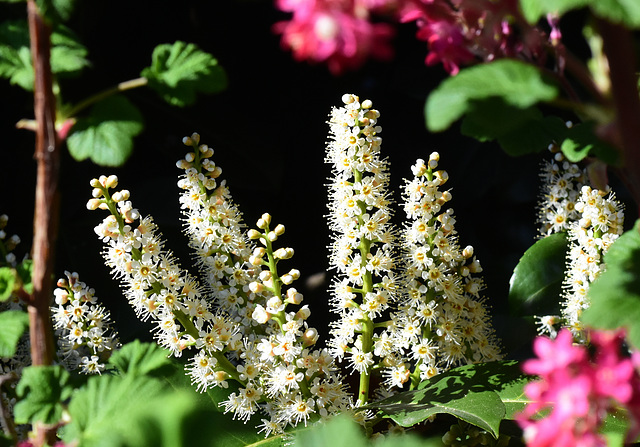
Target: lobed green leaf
517 84
181 70
13 323
41 390
7 282
106 135
68 56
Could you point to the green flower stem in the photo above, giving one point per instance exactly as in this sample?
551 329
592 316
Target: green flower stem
367 325
121 87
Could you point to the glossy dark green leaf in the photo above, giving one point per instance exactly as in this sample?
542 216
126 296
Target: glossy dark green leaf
342 431
615 295
41 391
535 286
180 71
106 135
13 323
519 131
518 84
625 12
471 393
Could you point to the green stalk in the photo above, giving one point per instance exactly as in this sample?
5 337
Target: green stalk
121 87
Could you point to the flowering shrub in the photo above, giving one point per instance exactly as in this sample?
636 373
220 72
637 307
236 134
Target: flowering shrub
236 360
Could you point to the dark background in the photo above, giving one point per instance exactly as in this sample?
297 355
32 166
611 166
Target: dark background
268 129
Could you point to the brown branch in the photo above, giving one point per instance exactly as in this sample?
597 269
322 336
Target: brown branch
47 156
620 52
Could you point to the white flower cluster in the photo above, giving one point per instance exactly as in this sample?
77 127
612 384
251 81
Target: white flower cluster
240 324
592 218
83 328
361 252
441 320
561 184
600 224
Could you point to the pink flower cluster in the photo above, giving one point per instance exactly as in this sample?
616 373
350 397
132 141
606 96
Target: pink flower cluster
577 389
337 32
457 32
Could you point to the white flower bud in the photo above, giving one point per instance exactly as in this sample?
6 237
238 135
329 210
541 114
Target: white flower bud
279 230
93 204
253 234
260 314
112 181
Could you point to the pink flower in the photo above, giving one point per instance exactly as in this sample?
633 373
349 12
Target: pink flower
577 390
337 32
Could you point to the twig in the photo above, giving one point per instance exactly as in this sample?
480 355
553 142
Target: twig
6 421
46 210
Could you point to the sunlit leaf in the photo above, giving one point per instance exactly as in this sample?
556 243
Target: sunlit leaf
180 71
625 12
138 358
7 282
516 83
471 393
41 391
106 135
13 323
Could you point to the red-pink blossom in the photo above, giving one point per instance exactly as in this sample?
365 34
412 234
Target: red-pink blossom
337 32
577 389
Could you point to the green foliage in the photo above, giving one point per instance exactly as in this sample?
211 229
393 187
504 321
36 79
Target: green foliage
56 10
626 12
13 323
181 70
68 56
517 84
25 271
581 141
7 282
615 295
519 131
342 431
536 282
106 134
482 394
42 390
140 359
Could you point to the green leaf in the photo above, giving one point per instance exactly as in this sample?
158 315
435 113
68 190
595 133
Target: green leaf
13 323
68 56
106 135
535 286
518 84
56 10
41 390
615 294
615 427
342 431
626 12
138 358
518 131
142 411
25 272
471 393
7 283
581 141
181 70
